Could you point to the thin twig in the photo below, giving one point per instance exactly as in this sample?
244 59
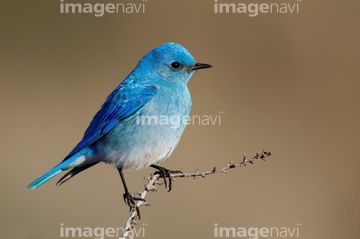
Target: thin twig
128 231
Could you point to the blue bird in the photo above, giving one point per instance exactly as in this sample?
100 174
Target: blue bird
135 127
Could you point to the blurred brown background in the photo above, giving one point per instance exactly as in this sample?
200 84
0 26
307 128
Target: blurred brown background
288 83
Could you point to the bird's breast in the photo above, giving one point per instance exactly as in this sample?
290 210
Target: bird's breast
149 136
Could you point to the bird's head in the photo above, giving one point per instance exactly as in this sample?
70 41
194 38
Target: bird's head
172 62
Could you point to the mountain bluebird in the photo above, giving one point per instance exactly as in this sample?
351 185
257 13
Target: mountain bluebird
126 131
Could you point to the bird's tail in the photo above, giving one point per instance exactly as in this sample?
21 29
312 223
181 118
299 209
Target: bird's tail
61 167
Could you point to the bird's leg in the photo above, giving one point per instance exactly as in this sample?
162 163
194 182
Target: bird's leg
128 198
165 173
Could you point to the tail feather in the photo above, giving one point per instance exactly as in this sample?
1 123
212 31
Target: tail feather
73 172
61 167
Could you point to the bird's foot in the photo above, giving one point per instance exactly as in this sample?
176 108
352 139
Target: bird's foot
131 202
165 173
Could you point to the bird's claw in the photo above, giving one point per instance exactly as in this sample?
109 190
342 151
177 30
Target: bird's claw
166 173
131 202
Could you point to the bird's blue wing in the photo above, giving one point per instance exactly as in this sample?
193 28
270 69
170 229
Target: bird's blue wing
122 103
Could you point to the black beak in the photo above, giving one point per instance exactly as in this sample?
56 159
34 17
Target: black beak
198 66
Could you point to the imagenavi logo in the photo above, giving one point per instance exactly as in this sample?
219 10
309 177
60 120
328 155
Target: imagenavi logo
253 9
100 232
99 9
257 232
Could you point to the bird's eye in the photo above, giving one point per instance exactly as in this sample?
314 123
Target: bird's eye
175 65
